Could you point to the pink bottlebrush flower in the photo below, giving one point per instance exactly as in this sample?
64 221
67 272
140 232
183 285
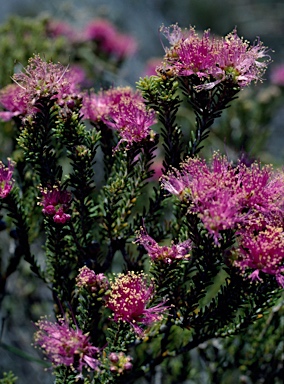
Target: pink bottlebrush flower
261 189
238 62
226 196
65 345
14 100
277 75
87 278
263 252
163 253
56 203
109 40
210 191
6 181
123 110
42 79
214 60
129 297
119 362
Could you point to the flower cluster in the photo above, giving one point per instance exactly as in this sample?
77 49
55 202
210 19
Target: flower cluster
120 109
262 251
129 297
163 253
90 280
213 59
40 79
108 39
245 199
56 203
6 181
14 101
65 345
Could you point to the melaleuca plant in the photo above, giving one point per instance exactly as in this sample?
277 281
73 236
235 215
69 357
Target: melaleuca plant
140 271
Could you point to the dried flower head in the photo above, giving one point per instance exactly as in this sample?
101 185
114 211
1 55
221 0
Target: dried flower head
129 297
6 181
65 345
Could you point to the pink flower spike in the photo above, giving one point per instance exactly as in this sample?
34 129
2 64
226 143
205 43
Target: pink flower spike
65 345
6 181
128 299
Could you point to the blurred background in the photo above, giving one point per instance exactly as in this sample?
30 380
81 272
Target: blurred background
140 19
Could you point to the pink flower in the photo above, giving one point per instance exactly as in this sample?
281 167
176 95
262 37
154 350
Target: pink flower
14 100
226 196
163 253
42 79
55 203
277 75
123 110
261 189
109 40
209 190
6 181
263 252
212 59
65 345
57 28
90 280
129 297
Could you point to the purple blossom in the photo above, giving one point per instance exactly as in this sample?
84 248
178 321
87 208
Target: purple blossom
109 40
56 203
163 253
129 297
262 252
212 59
42 79
277 75
226 196
65 345
6 181
87 278
123 110
14 101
